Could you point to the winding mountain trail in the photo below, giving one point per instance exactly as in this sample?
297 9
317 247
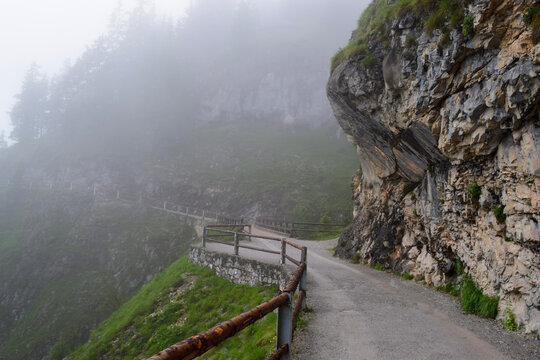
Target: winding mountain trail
363 314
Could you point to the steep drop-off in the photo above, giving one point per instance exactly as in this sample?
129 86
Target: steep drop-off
67 261
444 112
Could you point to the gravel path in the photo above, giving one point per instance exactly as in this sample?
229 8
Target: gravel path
360 313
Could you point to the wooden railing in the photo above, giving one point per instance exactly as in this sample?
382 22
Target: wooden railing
287 311
293 228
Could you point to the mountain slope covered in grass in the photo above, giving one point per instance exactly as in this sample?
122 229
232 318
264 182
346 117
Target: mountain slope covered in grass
181 301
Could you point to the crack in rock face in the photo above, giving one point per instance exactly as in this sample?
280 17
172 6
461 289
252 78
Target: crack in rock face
431 120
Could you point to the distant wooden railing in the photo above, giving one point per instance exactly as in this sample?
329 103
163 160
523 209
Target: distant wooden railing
287 311
293 228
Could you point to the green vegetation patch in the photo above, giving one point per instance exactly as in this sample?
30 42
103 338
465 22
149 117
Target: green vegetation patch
160 315
407 276
407 188
472 299
474 302
510 321
531 16
474 190
452 289
378 267
376 21
467 27
499 213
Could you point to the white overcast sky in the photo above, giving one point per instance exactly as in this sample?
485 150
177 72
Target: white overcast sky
49 32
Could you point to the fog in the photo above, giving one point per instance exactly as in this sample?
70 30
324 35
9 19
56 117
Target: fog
215 60
51 33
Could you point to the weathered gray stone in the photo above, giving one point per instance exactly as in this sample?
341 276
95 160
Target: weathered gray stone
449 116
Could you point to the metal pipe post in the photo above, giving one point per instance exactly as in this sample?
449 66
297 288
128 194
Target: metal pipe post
204 234
235 243
284 327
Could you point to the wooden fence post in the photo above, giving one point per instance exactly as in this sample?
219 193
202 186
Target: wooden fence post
204 234
284 326
303 279
283 252
235 243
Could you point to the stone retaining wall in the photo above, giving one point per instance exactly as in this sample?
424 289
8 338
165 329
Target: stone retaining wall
239 270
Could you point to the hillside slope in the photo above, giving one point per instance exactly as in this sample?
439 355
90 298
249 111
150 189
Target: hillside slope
181 301
68 261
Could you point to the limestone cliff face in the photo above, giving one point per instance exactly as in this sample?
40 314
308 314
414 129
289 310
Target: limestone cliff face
441 116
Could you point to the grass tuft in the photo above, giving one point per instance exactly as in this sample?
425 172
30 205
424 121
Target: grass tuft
499 213
474 302
407 276
475 190
510 322
407 188
467 27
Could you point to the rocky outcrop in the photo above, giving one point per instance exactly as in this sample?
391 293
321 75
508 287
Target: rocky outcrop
448 134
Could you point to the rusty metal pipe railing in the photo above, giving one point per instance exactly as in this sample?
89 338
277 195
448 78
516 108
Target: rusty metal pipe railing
295 279
279 353
201 343
287 317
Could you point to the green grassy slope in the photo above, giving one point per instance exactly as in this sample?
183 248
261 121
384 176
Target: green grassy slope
181 301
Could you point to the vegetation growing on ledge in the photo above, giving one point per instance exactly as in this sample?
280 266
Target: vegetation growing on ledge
531 16
356 47
407 188
499 213
475 190
379 15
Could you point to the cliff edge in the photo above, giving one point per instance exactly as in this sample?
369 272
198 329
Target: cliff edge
443 107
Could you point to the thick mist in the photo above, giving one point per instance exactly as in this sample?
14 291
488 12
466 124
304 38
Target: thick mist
225 60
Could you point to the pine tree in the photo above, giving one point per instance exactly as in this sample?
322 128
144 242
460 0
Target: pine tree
29 115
